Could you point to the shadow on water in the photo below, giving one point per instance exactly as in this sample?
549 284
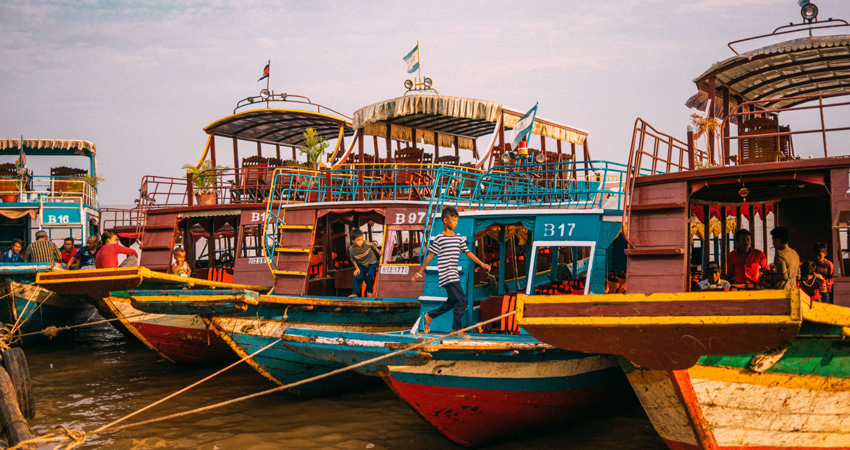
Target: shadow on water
101 376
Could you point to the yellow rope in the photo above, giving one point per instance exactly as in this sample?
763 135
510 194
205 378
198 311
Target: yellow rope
52 331
59 434
109 427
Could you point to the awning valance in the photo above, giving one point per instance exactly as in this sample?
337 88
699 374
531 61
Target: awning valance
47 147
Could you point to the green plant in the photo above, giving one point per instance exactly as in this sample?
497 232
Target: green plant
315 146
204 177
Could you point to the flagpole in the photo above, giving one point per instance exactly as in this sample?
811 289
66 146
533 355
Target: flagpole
268 79
420 62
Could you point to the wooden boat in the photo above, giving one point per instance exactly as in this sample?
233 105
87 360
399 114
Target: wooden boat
387 198
743 368
501 381
63 204
178 338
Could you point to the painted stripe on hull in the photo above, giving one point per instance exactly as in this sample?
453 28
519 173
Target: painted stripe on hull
177 338
474 416
746 410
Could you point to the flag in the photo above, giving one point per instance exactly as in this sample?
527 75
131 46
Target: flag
523 127
412 60
802 2
265 73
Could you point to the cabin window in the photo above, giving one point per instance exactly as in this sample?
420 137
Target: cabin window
516 247
561 269
252 244
403 247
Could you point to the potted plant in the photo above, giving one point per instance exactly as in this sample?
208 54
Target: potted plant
205 181
314 147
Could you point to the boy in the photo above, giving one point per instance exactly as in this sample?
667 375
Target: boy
448 246
825 269
786 262
712 282
810 281
745 262
68 250
364 256
13 255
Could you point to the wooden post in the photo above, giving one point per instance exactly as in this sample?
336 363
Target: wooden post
235 155
277 151
724 239
725 130
359 174
706 238
457 148
389 141
436 145
259 149
764 230
16 426
558 144
190 189
413 137
375 146
711 115
475 149
212 150
543 145
211 249
502 137
294 156
691 149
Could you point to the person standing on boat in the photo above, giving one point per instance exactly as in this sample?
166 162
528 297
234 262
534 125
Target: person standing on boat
745 262
13 255
43 250
786 262
107 254
68 250
364 256
448 246
84 258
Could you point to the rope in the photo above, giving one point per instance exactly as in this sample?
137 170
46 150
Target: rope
59 434
52 331
109 427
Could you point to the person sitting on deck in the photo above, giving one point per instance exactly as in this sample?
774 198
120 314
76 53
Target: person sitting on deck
68 251
826 270
713 282
43 250
84 258
180 267
107 254
745 262
13 255
810 281
786 262
364 256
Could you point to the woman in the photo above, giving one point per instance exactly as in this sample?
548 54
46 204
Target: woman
107 255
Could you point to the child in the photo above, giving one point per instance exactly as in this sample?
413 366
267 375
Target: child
810 281
712 282
448 246
180 267
13 255
365 259
825 269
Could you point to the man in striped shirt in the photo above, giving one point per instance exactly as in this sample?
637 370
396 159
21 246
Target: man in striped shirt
42 250
448 246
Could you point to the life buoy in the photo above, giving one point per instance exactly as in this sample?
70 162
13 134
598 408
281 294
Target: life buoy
16 365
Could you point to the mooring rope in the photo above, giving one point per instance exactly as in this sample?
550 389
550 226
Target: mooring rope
53 330
109 427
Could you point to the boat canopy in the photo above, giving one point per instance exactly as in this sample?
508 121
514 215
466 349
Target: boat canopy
464 118
47 147
810 65
279 126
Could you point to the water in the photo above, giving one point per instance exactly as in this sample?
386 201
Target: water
103 376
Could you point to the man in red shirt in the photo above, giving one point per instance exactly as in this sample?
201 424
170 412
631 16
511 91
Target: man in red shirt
745 262
68 250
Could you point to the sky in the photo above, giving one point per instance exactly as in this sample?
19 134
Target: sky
141 79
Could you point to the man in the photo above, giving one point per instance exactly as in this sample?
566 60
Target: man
712 281
746 263
68 250
85 256
43 250
13 255
786 262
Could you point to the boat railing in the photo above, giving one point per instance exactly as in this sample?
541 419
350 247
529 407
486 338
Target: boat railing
653 152
555 185
47 188
114 218
762 139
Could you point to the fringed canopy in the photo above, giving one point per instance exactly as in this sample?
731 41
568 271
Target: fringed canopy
47 147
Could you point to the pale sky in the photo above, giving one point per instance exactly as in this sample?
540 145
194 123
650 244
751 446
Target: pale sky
142 79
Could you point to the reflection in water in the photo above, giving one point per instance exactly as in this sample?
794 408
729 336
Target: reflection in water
103 376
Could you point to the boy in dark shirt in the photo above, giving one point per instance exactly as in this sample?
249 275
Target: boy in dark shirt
825 269
364 256
448 246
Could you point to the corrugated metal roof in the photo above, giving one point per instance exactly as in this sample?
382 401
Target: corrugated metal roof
278 126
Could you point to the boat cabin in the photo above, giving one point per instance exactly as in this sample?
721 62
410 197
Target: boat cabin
50 185
774 153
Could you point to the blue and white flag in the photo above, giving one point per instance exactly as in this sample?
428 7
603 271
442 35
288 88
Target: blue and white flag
803 3
523 127
412 60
